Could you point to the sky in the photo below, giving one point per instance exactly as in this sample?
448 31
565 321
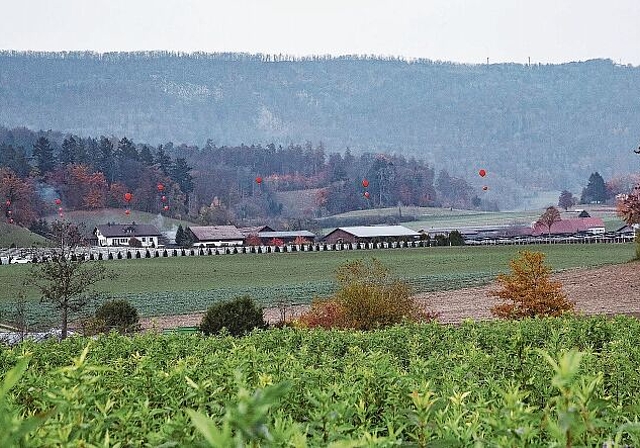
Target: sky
469 31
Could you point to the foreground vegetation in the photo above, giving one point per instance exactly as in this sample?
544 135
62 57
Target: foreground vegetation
487 384
162 286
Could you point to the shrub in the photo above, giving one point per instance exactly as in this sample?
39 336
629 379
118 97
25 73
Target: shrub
528 291
135 242
325 313
368 297
118 315
239 316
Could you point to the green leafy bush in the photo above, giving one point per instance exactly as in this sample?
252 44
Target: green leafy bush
117 315
239 316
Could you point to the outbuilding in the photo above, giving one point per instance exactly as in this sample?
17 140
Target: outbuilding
216 236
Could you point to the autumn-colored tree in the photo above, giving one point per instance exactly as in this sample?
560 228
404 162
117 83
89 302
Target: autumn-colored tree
300 240
368 297
253 240
276 242
628 208
18 200
528 290
80 187
550 216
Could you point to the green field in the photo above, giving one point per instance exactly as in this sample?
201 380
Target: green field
177 285
488 384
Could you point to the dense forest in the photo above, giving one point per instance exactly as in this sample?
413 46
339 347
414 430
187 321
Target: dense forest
44 172
533 127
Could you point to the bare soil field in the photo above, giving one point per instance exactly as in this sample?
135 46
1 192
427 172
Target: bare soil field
608 290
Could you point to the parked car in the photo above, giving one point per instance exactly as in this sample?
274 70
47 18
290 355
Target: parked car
19 260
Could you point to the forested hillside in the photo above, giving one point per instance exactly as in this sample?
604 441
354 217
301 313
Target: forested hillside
538 127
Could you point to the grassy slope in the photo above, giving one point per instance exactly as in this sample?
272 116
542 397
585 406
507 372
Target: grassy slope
180 285
21 237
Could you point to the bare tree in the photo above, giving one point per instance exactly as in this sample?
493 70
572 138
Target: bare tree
66 280
550 216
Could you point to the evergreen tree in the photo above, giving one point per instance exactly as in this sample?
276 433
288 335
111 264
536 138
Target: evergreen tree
43 155
68 151
106 160
595 191
163 161
180 174
145 156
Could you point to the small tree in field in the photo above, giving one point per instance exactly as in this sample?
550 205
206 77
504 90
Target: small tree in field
276 242
66 281
528 290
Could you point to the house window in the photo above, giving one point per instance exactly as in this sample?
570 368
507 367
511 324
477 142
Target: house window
144 240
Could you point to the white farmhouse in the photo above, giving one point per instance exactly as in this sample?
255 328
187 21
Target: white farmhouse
112 234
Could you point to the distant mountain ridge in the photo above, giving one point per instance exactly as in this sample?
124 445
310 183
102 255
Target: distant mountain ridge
540 126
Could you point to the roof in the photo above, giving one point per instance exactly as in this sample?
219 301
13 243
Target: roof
292 234
216 233
569 226
246 231
378 231
113 230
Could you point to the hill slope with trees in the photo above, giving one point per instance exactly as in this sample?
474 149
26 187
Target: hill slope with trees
538 126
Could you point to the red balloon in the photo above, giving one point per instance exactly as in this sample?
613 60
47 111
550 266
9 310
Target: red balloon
258 180
128 197
160 187
58 201
365 183
126 212
60 209
482 173
8 202
163 198
485 188
166 207
366 194
11 221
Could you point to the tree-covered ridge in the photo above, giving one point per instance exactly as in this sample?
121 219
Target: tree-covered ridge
213 185
536 126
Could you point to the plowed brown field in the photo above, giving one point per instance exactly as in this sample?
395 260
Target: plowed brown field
606 290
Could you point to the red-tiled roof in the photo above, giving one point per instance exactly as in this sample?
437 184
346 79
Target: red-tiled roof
568 226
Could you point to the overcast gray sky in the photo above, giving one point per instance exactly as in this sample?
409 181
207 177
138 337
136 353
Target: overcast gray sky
452 30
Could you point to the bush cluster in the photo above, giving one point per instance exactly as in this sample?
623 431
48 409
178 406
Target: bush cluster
368 297
238 316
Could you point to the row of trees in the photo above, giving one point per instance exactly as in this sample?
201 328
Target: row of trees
215 185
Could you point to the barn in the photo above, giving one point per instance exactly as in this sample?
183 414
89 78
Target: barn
216 236
368 234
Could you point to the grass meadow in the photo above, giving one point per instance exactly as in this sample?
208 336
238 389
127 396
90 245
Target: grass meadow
178 285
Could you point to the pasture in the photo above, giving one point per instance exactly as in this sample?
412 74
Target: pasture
179 285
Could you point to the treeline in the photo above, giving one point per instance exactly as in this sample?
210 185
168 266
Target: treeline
212 184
